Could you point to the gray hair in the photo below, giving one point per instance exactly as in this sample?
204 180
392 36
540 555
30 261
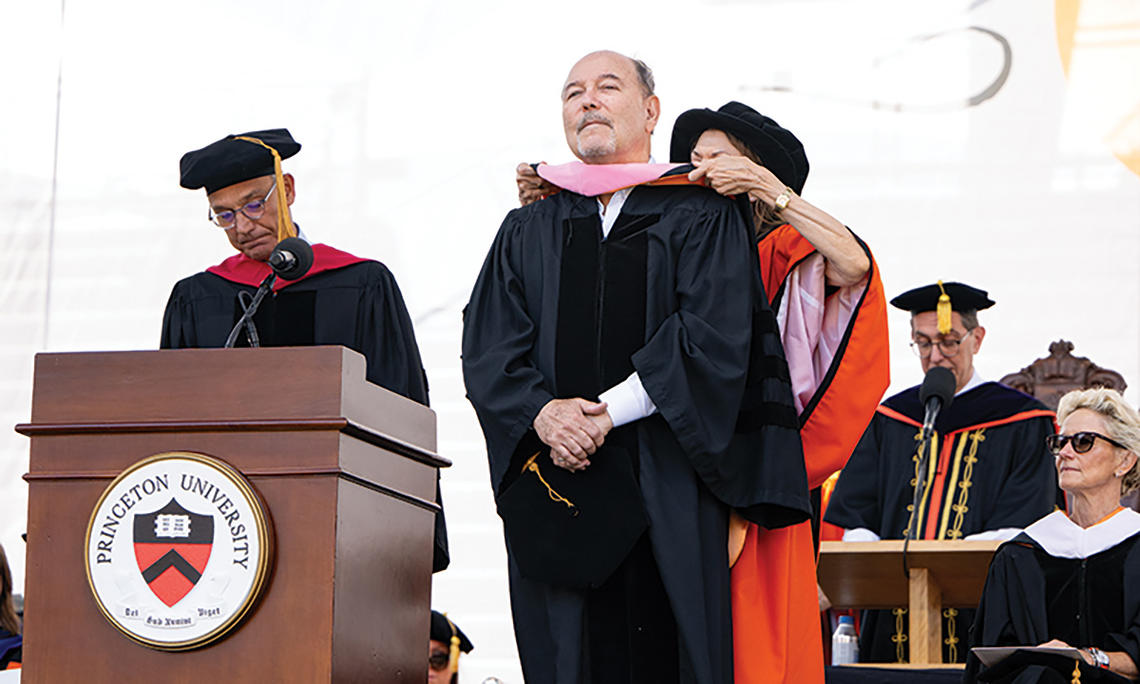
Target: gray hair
969 318
1121 422
644 76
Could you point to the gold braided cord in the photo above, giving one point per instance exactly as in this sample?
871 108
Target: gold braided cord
900 636
960 508
1076 672
932 465
951 640
284 221
532 466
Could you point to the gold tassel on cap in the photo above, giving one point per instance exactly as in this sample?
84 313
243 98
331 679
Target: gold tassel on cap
453 652
284 221
944 310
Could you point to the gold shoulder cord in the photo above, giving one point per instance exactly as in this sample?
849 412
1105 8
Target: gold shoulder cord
960 508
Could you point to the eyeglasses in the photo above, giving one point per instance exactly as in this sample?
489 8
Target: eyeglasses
252 210
1082 442
439 660
949 346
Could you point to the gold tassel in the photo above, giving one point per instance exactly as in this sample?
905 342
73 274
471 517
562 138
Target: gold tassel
1076 672
532 466
453 651
944 311
284 221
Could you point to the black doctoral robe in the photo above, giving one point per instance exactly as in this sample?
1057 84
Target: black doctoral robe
992 471
344 300
1041 587
673 292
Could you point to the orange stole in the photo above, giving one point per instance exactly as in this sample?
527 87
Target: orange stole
774 598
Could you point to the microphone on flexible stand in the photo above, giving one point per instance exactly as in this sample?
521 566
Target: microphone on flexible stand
290 259
936 394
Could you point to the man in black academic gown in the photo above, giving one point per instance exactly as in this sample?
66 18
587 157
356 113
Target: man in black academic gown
991 471
609 345
342 299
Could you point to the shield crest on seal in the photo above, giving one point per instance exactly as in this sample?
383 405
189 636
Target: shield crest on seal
172 548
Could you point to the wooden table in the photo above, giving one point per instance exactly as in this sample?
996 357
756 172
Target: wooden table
861 575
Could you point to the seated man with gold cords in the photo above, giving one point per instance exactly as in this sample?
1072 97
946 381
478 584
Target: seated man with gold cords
989 470
1073 580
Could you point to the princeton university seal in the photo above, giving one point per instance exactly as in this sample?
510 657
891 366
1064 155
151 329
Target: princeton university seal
178 549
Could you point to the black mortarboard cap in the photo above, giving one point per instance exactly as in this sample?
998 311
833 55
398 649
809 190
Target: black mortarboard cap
567 528
232 160
777 147
442 629
962 298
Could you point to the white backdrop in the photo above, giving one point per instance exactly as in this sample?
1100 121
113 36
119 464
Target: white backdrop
413 116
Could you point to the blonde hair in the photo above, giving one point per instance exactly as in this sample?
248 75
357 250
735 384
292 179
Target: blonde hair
1121 422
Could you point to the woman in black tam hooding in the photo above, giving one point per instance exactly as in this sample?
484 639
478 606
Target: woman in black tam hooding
825 287
1072 580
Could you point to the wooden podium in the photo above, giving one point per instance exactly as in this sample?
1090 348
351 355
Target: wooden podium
952 574
346 471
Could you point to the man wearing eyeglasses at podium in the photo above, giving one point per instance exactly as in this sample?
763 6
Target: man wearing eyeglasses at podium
341 300
989 472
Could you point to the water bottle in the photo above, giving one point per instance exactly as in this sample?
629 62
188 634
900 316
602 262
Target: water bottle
844 643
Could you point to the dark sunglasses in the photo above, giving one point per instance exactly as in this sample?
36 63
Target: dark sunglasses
1082 442
438 661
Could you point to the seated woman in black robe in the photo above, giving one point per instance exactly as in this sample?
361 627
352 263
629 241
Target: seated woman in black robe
1072 580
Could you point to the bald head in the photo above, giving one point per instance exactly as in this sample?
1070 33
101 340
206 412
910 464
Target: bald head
609 110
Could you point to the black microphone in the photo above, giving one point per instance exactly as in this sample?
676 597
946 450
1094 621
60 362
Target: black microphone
936 393
291 258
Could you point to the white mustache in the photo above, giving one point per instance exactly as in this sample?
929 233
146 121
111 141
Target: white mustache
593 118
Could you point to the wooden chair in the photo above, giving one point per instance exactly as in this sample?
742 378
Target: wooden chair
1049 378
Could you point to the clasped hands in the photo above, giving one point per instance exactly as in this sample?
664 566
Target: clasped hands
573 429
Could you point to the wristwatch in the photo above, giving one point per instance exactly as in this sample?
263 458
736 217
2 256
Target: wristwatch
783 198
1099 656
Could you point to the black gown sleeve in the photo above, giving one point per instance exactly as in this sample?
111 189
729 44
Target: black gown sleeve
694 366
1029 486
1128 638
177 322
712 351
388 339
499 331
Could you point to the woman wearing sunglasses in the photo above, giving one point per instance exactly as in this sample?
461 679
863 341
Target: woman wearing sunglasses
1073 580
